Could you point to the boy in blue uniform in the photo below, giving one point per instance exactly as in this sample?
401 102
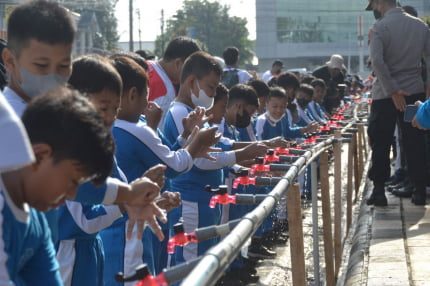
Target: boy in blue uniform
315 106
274 123
38 58
80 249
140 148
71 145
304 96
262 90
199 80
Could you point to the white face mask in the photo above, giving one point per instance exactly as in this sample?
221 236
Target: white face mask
203 100
273 119
34 85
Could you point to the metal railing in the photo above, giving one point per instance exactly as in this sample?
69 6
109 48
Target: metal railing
215 261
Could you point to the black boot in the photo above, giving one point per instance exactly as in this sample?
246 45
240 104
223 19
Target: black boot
378 198
419 196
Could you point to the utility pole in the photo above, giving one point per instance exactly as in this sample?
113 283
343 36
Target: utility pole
130 5
360 44
162 31
140 29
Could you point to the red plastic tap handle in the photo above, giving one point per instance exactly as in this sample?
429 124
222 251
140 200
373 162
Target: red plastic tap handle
282 151
148 281
271 159
159 280
245 181
180 239
224 199
259 168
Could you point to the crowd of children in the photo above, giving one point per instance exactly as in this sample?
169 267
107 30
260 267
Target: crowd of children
94 173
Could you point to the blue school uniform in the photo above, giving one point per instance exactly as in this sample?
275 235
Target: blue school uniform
423 115
195 209
27 254
305 116
266 129
317 112
138 148
80 248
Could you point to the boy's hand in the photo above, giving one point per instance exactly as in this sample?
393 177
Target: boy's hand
143 192
251 151
276 142
153 114
312 127
156 174
169 201
195 118
200 142
146 214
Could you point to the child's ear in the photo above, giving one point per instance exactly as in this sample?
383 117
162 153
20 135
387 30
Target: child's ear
190 81
178 64
8 59
42 152
132 94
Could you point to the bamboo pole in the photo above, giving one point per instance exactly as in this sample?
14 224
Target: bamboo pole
326 217
295 223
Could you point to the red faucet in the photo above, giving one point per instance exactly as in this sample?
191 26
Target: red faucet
143 276
259 166
221 197
271 157
243 179
180 238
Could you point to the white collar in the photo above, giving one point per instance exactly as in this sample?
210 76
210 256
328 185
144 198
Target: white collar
22 215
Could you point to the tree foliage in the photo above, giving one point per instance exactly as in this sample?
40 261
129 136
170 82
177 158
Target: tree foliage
427 20
210 24
105 13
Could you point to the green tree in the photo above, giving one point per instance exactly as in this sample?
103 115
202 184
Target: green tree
427 20
210 24
105 13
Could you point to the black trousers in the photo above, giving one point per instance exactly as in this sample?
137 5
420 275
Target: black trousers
382 121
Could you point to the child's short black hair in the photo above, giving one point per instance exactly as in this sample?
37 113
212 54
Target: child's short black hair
243 92
318 82
45 21
180 47
145 55
135 57
273 82
307 79
260 87
132 74
231 56
93 73
71 126
220 93
306 89
288 80
277 92
200 64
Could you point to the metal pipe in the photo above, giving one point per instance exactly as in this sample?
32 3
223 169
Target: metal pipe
178 272
209 232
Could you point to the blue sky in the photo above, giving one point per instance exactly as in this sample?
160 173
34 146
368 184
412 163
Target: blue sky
151 14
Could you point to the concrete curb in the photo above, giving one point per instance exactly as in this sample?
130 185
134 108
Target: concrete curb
356 271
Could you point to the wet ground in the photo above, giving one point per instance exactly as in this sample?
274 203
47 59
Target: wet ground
277 272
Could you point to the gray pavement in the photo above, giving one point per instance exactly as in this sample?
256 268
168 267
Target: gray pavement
399 251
